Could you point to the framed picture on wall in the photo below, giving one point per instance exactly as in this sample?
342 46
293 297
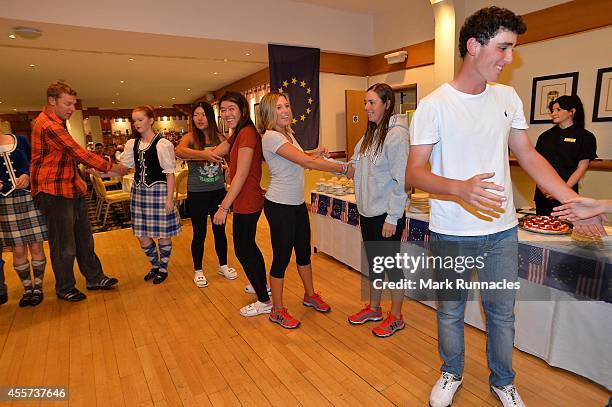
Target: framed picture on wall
602 107
548 88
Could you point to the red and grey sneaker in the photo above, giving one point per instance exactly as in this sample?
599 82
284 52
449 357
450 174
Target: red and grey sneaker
365 315
283 318
389 326
315 301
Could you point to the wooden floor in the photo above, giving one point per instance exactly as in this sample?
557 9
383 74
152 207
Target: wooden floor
175 344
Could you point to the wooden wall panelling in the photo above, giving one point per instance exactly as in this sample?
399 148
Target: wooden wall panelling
420 54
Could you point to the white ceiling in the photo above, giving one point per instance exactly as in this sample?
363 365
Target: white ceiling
94 61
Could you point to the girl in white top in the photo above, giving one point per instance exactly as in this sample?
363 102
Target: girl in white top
284 205
154 214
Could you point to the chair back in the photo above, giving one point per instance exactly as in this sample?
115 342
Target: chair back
180 184
98 186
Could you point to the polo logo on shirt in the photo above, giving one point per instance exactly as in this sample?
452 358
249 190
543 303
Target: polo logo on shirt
569 140
505 113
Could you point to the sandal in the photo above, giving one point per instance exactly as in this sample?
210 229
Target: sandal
74 295
228 272
256 308
199 279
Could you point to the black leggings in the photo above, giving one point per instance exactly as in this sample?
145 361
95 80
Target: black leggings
289 230
248 254
371 231
201 205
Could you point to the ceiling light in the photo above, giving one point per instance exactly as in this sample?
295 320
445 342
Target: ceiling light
215 73
247 54
0 102
188 88
130 59
173 98
113 103
15 109
29 33
32 65
12 36
122 81
224 59
159 106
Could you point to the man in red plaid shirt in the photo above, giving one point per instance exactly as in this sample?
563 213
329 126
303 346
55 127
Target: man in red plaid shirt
61 194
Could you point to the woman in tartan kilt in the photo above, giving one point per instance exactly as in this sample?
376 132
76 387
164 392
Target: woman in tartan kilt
154 214
21 224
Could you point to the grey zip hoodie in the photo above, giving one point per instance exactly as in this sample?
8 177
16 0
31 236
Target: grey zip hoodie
379 178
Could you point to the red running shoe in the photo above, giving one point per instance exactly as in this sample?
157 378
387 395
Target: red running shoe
284 319
315 301
365 315
389 326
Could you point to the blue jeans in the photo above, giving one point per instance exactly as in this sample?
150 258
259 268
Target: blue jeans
500 262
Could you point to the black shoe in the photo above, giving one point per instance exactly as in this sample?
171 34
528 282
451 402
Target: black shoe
106 283
74 295
160 277
26 298
151 274
3 298
37 297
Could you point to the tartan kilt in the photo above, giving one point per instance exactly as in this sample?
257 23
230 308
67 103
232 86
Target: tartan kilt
149 217
20 222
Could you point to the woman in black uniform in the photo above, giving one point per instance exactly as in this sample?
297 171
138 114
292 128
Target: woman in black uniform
568 147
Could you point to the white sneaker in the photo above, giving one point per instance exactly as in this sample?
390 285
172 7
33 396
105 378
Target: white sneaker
256 308
250 290
444 390
508 395
199 279
228 272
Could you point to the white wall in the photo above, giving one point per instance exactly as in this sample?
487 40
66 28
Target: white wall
423 77
410 24
333 107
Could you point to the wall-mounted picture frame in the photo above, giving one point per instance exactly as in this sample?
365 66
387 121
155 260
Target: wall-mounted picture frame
602 106
545 89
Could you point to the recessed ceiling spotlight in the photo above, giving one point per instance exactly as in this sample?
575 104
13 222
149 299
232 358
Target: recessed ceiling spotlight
159 106
121 81
173 98
12 36
248 54
32 65
224 59
15 109
113 102
131 59
29 33
188 88
0 102
215 73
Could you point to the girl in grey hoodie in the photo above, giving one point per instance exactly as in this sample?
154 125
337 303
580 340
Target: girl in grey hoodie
378 167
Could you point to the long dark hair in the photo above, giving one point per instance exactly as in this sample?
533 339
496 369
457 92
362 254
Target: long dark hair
212 131
385 93
569 102
245 113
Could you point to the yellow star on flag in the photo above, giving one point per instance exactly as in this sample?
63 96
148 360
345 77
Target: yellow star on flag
309 101
308 91
303 84
308 110
293 80
280 90
302 117
293 121
285 84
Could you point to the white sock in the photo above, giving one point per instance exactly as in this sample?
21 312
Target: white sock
223 268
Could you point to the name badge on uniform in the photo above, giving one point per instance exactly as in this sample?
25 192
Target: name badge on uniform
569 140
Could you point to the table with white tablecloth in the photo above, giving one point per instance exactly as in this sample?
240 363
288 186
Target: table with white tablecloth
565 332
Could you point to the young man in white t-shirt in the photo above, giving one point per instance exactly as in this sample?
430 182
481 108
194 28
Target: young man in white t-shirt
464 129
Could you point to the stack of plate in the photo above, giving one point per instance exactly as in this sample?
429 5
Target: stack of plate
419 203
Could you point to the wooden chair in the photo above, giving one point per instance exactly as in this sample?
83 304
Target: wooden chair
107 197
180 187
